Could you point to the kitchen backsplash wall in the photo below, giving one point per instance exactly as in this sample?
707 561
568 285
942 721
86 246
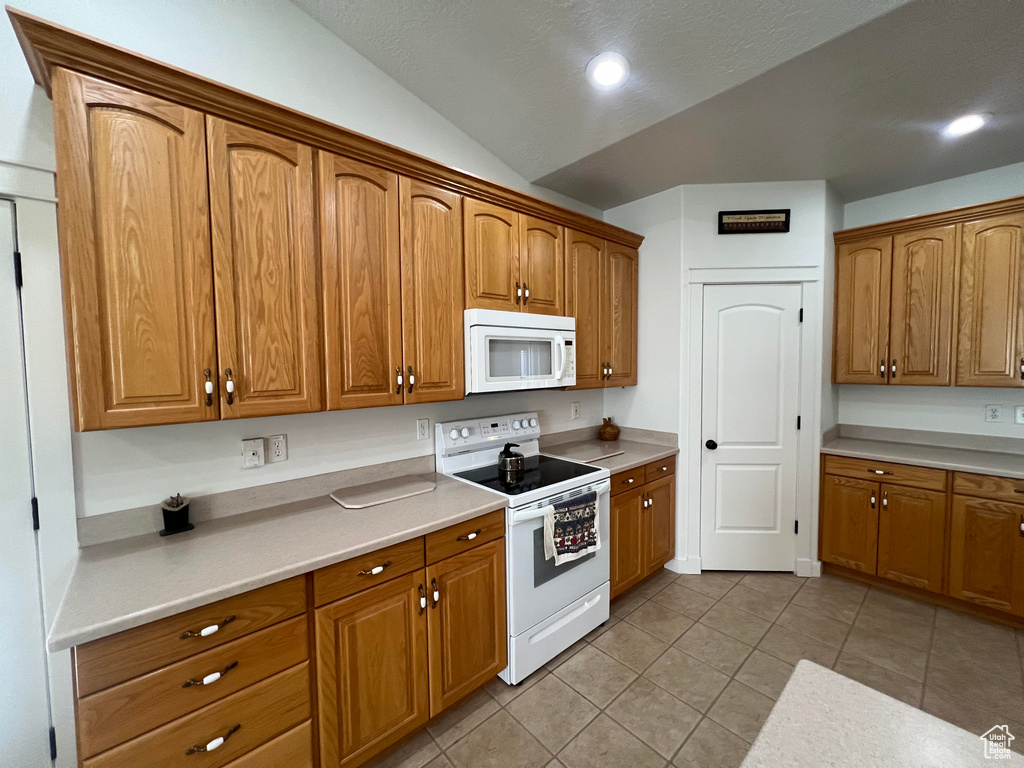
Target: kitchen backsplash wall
126 468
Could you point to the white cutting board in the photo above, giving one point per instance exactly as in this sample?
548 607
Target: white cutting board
382 491
587 451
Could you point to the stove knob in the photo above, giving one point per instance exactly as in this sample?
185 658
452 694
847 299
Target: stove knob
515 424
454 434
465 432
533 422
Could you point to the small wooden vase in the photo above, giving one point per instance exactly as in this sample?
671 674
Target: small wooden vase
608 431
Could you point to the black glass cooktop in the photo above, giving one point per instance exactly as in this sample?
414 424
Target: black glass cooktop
541 471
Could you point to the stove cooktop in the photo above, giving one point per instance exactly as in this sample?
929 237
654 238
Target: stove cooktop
541 471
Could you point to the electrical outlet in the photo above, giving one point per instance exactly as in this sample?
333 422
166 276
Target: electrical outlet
1019 414
575 410
422 429
253 453
995 413
278 448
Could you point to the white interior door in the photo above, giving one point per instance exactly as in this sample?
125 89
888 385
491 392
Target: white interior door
24 710
750 397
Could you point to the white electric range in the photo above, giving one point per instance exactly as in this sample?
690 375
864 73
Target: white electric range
549 607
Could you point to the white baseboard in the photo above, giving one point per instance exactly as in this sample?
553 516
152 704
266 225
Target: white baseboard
807 567
684 565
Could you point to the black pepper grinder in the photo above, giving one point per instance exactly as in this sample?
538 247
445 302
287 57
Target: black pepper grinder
175 511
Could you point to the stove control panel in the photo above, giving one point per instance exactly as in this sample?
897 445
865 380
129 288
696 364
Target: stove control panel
474 433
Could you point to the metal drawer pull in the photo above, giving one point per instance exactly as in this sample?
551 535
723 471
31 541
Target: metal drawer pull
206 631
377 569
881 472
872 501
1022 367
210 746
437 594
423 600
1022 526
629 480
664 469
470 536
213 677
1018 490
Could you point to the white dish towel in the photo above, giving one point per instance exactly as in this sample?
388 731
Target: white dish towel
571 529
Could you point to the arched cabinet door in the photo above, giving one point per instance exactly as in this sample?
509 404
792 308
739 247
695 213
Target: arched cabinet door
492 256
619 330
585 301
265 272
861 337
542 268
135 246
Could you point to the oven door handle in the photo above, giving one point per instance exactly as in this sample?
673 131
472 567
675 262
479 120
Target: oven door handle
533 514
560 344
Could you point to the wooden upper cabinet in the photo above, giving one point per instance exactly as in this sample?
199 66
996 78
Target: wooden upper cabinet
619 328
542 266
432 292
466 623
585 301
912 536
986 553
991 345
135 252
492 256
861 334
265 271
371 670
849 523
359 251
923 308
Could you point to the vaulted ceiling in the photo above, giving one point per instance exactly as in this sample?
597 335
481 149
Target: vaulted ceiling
747 90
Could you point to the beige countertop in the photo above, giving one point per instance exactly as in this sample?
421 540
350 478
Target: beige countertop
634 453
825 720
124 584
937 456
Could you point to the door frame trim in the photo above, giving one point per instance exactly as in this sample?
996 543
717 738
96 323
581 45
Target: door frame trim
688 511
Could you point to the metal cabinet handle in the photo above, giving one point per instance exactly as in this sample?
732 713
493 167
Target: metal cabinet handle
881 368
1022 367
229 386
470 536
872 501
519 293
213 677
664 469
209 386
1022 526
412 379
401 381
423 600
885 499
526 294
377 569
206 631
212 745
881 472
893 368
629 480
436 594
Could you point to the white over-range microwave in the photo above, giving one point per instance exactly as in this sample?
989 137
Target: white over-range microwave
517 350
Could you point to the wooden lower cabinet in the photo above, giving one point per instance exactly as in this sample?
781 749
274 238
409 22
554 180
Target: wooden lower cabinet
986 557
659 530
643 523
849 523
627 553
912 536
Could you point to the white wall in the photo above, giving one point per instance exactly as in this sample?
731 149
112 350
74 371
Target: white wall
941 409
829 393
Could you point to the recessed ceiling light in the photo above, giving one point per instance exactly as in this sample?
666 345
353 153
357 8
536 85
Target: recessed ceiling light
964 125
607 71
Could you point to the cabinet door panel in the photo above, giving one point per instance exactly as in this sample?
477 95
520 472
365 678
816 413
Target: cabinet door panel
492 256
135 250
659 524
990 352
923 307
912 536
359 246
619 329
432 292
265 271
584 260
467 623
371 670
849 523
986 553
542 269
627 540
861 336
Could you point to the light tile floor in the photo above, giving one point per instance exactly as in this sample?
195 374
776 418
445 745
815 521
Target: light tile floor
688 667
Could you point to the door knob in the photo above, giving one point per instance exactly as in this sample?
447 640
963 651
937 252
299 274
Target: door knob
711 445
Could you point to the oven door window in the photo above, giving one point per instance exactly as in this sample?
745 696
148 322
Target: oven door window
545 570
519 359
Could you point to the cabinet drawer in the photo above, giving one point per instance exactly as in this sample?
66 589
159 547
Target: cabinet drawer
660 468
459 538
289 750
262 711
134 652
124 711
631 478
355 575
989 487
887 472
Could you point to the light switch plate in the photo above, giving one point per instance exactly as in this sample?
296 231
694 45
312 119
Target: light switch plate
575 410
995 413
253 453
1019 414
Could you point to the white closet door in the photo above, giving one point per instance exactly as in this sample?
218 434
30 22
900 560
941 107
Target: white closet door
750 397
